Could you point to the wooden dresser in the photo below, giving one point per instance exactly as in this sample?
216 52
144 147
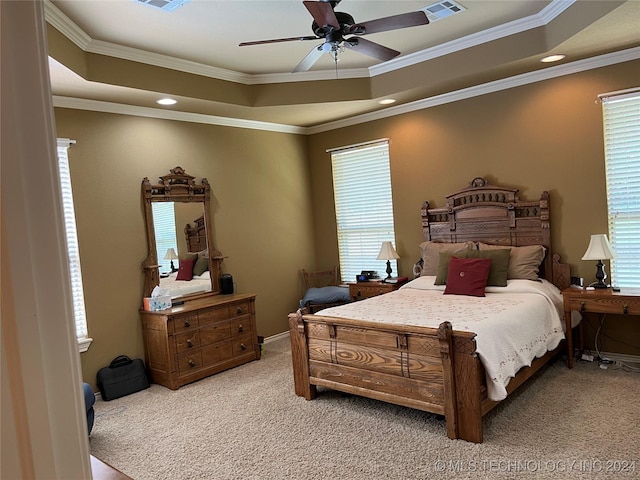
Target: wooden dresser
199 338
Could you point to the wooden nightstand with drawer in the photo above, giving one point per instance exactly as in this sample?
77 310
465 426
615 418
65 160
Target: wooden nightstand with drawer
624 302
362 290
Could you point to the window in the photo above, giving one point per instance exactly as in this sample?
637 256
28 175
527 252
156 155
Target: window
165 228
364 209
73 251
621 114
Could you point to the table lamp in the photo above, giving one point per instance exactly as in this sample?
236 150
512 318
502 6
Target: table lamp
599 249
171 255
388 253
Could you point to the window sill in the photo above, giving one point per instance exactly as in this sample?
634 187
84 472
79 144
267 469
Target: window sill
83 344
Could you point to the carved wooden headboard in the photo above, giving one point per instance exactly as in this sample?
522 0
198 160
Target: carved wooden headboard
491 214
196 235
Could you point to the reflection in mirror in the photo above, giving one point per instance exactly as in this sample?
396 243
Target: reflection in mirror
170 222
179 228
181 236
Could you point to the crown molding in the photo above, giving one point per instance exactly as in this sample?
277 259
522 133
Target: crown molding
515 27
475 91
484 89
121 109
69 29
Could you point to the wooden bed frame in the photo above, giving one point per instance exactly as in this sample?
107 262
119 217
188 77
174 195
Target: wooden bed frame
432 369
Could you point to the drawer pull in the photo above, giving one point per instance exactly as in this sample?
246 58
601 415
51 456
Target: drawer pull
625 309
187 324
243 346
582 306
240 328
192 363
189 343
359 293
239 310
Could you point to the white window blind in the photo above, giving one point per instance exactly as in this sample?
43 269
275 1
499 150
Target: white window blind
73 250
164 224
621 114
364 209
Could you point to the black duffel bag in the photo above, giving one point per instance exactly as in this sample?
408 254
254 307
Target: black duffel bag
122 377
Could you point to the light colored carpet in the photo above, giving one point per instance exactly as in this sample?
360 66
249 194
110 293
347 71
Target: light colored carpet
248 423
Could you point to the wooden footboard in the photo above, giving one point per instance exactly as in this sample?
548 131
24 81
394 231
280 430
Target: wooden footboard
435 370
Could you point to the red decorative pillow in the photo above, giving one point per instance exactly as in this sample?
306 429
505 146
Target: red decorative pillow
185 270
467 276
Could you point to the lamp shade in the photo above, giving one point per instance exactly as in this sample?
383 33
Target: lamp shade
171 254
599 248
387 252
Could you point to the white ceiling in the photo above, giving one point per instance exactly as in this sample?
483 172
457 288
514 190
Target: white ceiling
202 37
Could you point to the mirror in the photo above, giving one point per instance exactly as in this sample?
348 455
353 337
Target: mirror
178 225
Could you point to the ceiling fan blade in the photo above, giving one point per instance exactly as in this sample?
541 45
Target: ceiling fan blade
277 40
371 49
322 13
307 62
385 24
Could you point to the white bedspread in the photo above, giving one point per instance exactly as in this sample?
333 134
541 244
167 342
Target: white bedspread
177 288
513 324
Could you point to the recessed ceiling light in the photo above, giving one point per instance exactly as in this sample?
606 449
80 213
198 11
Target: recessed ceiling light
387 101
552 58
167 101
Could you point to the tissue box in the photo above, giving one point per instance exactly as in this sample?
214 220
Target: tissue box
152 304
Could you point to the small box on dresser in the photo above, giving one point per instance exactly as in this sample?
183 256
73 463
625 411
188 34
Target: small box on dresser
204 336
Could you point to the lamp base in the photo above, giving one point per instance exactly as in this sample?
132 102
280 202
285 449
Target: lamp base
600 276
389 269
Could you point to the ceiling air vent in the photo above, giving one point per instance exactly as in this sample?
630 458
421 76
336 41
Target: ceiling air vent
166 5
441 10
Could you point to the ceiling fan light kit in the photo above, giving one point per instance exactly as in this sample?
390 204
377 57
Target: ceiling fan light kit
333 26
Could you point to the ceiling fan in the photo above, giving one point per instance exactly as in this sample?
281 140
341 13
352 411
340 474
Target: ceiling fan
333 26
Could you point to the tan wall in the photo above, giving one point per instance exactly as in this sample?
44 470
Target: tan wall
543 136
260 212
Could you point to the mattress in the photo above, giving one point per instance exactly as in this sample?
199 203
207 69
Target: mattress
513 324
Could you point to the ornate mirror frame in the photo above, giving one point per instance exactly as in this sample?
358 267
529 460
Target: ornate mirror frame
177 187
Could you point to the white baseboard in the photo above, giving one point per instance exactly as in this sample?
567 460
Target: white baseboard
275 337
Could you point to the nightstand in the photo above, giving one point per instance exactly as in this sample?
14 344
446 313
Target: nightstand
624 302
362 290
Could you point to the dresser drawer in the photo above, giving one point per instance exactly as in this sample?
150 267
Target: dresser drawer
212 354
187 340
240 326
185 322
214 333
189 361
213 315
238 309
243 344
609 304
361 291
